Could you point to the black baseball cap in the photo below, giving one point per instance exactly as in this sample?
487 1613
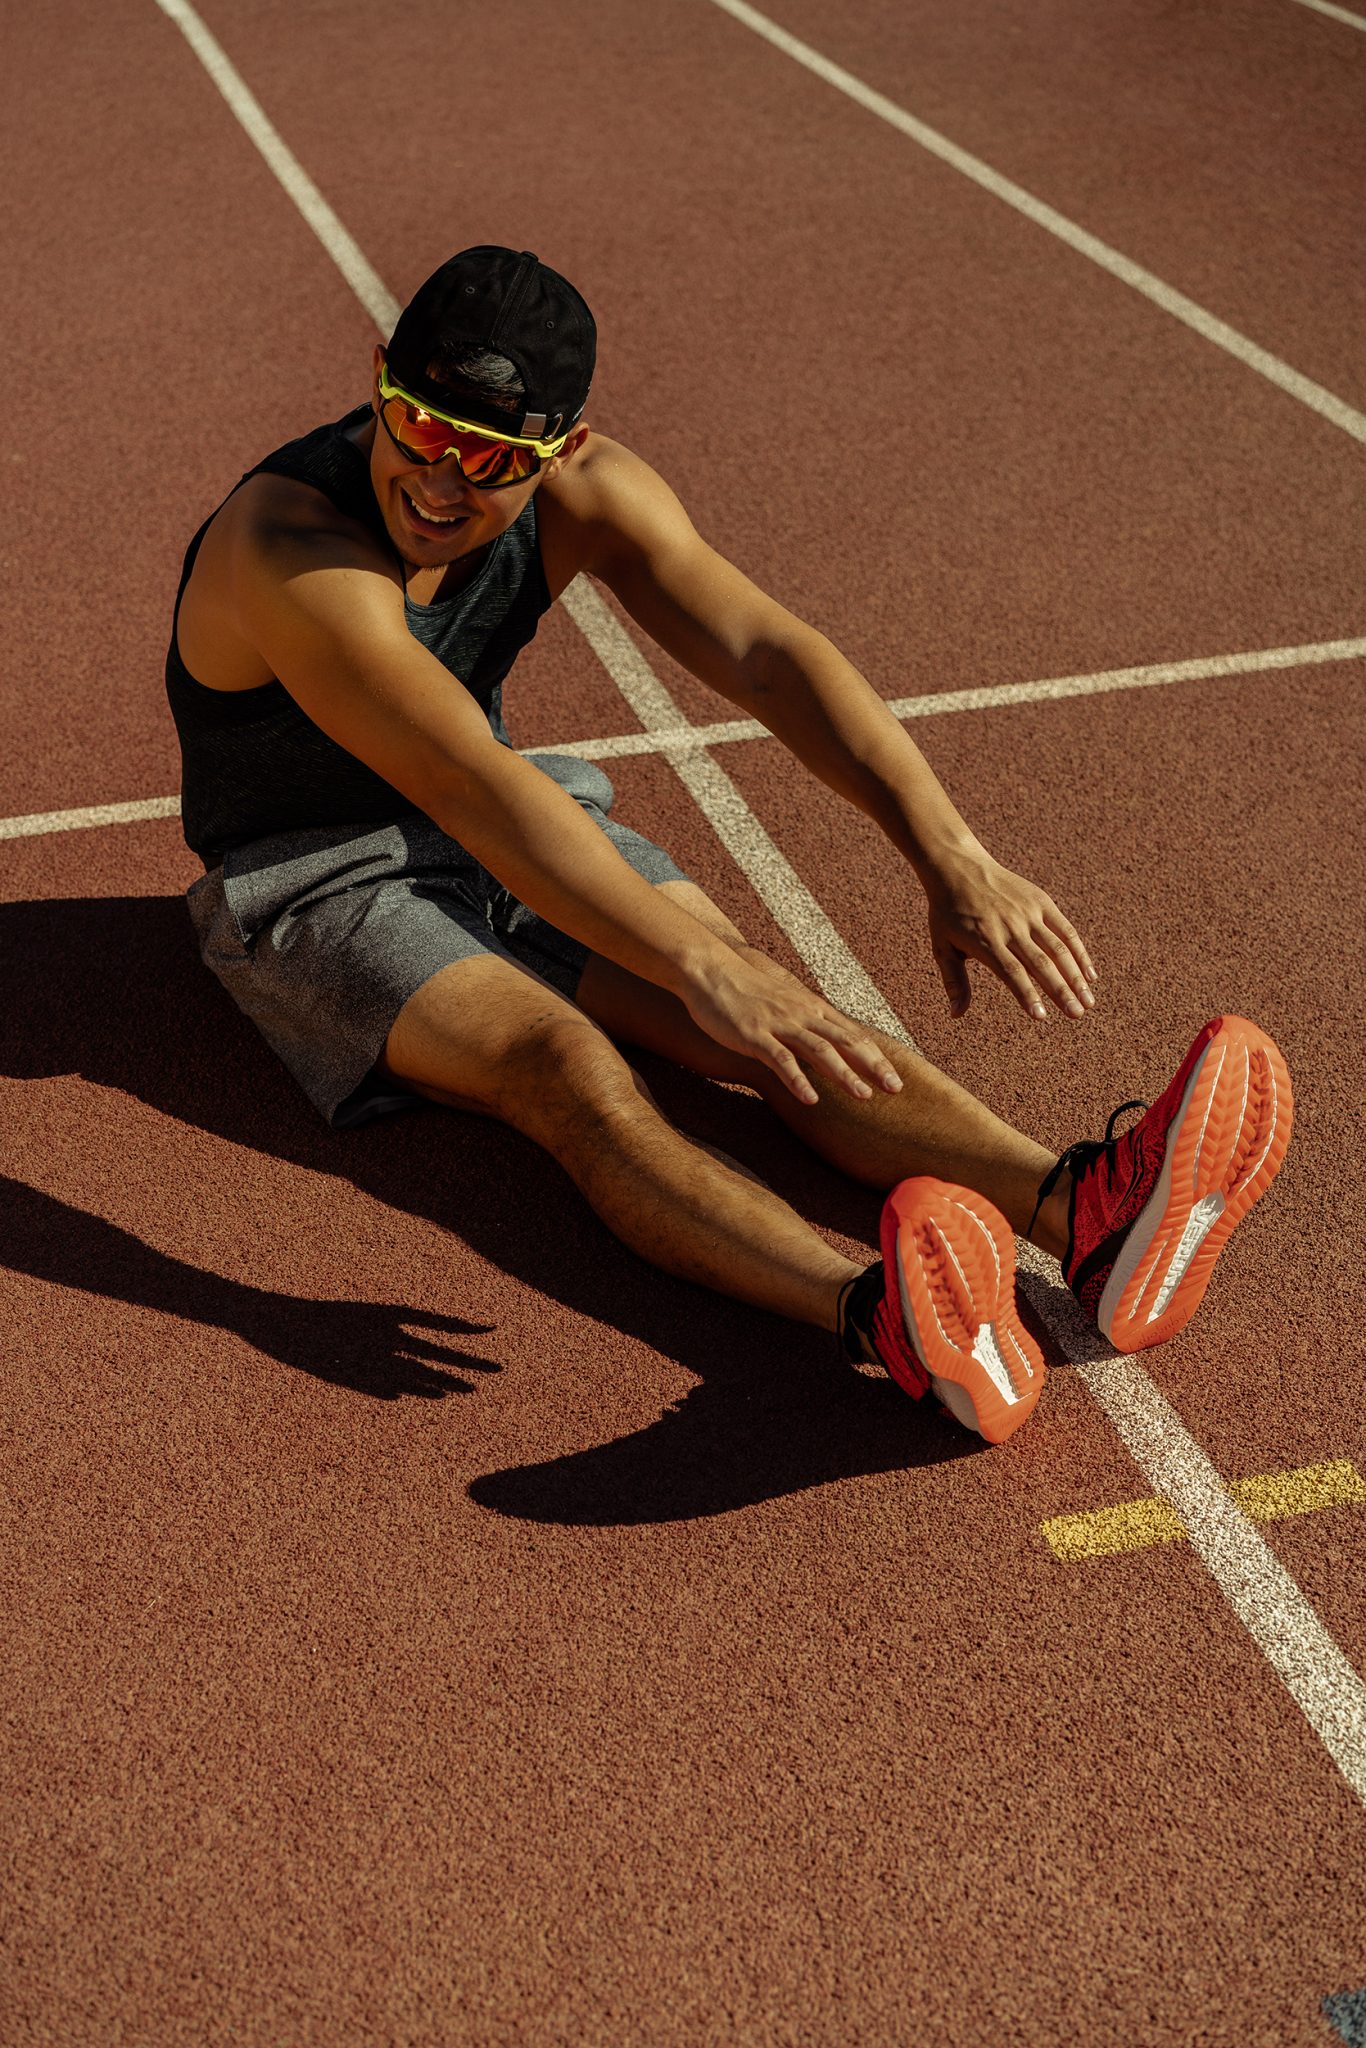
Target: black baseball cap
509 302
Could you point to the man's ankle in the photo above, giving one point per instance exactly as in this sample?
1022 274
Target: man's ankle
858 1299
1050 1228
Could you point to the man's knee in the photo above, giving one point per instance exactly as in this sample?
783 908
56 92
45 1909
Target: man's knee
562 1075
485 1037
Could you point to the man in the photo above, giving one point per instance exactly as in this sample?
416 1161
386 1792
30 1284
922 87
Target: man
408 908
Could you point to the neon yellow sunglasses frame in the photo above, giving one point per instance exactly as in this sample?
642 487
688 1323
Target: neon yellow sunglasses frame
389 389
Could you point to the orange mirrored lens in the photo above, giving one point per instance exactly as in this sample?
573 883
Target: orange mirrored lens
484 463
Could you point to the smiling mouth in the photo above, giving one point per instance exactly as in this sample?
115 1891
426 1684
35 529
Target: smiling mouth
427 522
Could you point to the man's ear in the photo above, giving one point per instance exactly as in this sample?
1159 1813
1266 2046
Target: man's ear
578 435
376 364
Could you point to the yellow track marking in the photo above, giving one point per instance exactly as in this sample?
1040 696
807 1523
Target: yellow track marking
1299 1493
1138 1523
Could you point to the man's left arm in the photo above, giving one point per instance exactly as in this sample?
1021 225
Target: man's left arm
716 623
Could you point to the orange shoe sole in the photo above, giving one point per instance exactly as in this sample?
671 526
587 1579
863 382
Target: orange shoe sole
954 1258
1224 1149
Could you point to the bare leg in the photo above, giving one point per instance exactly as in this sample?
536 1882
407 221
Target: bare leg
486 1036
933 1126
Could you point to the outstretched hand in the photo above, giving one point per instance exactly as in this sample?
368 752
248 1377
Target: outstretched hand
756 1007
981 911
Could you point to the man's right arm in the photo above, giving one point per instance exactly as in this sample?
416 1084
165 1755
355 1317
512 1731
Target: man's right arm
327 614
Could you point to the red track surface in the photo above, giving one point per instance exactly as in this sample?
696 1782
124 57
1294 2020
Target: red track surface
601 1667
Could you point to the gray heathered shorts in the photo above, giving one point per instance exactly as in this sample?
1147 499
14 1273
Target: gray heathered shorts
321 936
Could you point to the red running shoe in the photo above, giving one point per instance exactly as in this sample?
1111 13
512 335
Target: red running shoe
1151 1210
938 1310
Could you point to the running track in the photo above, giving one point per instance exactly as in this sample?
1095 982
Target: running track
426 1626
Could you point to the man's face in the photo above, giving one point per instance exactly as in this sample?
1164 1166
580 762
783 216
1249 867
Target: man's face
432 515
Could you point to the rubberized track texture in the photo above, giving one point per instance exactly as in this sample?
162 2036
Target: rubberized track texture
425 1623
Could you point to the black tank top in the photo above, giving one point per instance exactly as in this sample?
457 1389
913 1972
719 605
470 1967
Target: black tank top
254 763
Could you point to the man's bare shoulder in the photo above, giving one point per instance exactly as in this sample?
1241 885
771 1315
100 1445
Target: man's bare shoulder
604 479
606 499
271 531
275 525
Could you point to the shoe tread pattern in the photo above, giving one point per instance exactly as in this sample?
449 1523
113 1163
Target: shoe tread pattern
1223 1150
952 1255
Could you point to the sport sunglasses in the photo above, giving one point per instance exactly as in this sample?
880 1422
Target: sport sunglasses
491 462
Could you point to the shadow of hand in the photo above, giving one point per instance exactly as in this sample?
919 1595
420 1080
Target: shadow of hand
364 1345
376 1348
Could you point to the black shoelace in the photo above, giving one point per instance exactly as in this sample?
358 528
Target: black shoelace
1078 1157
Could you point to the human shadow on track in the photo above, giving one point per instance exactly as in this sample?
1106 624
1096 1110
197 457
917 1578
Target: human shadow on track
357 1344
112 989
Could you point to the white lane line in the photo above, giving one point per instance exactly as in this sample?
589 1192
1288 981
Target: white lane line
995 697
1266 1599
661 737
93 814
1272 1608
1263 1595
1176 303
771 875
345 252
1335 13
1202 668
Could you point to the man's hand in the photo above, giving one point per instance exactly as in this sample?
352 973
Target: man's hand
757 1008
981 911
